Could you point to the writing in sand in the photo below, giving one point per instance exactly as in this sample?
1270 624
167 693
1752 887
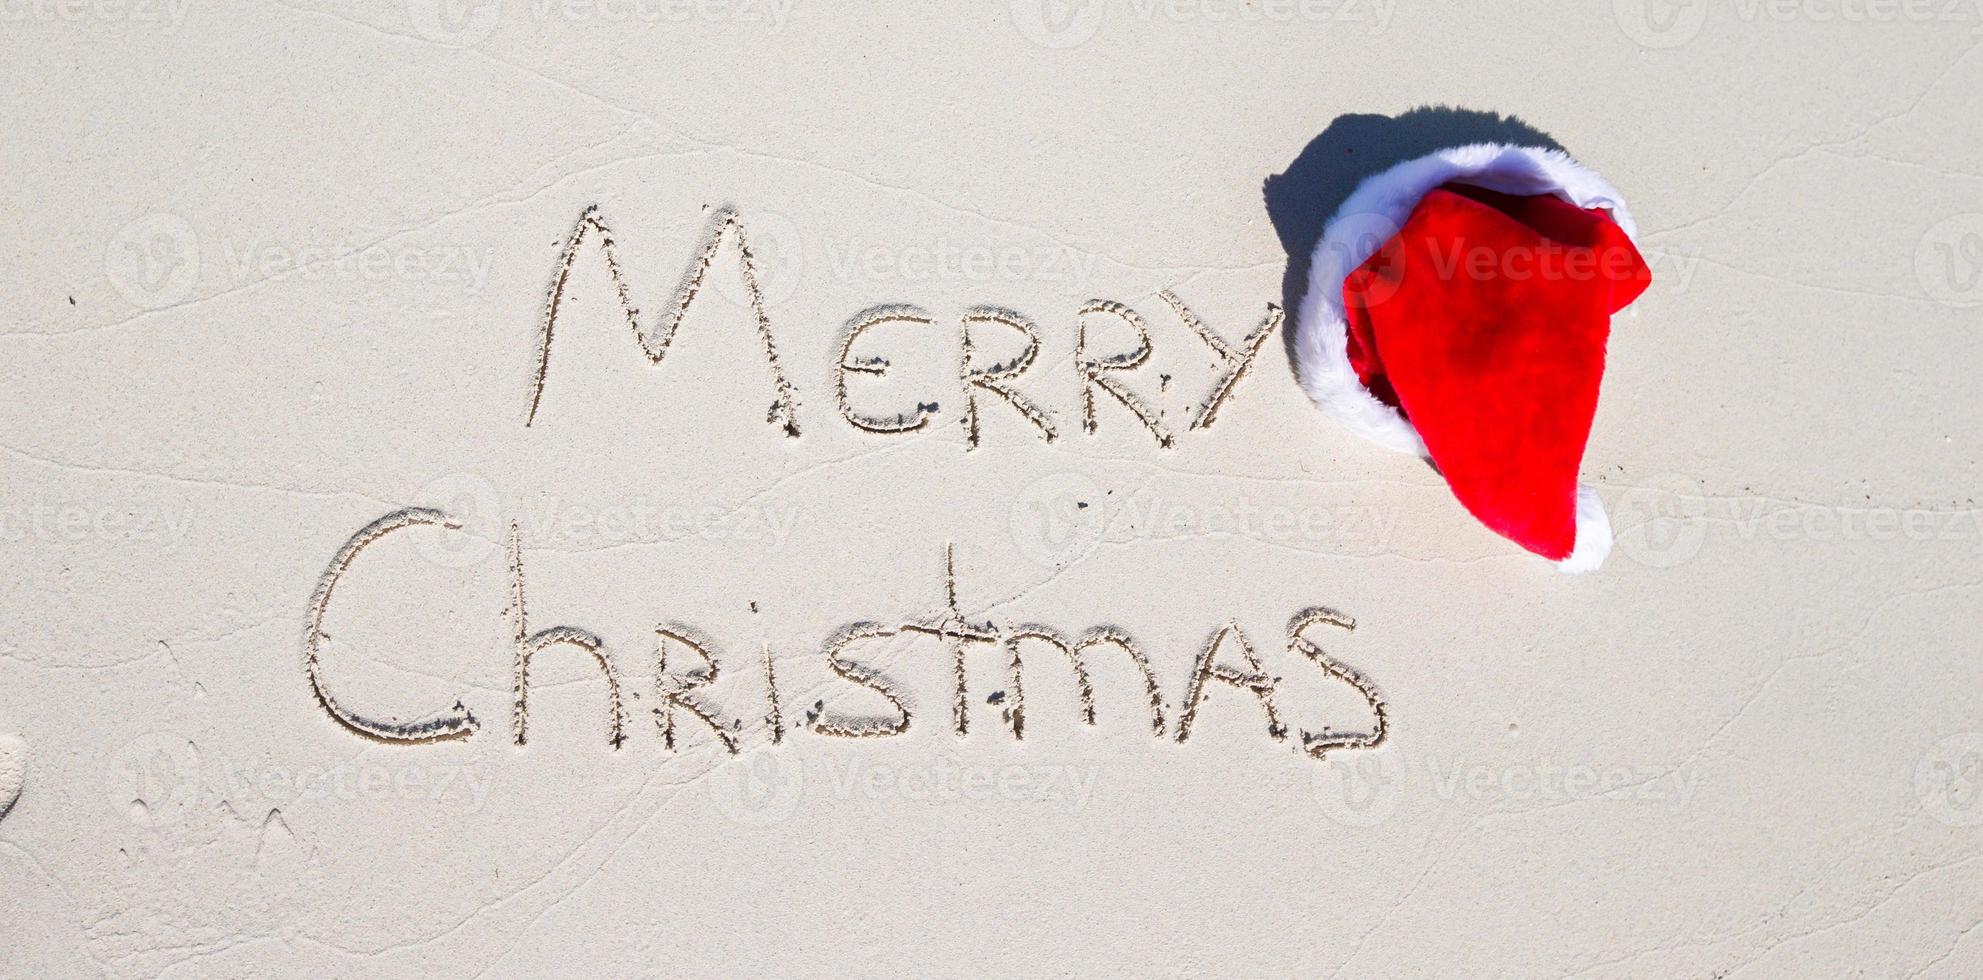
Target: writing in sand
980 382
683 710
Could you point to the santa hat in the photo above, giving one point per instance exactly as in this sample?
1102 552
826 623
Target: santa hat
1458 306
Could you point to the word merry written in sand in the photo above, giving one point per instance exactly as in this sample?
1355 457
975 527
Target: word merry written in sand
978 380
681 707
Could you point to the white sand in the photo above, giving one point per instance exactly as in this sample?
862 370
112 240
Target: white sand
275 272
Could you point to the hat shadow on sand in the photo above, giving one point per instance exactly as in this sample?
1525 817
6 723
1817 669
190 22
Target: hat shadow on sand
1302 199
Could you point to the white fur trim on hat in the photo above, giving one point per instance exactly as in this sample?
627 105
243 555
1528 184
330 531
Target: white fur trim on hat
1593 534
1375 211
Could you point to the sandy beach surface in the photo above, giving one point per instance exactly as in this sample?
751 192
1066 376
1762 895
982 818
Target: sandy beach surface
839 665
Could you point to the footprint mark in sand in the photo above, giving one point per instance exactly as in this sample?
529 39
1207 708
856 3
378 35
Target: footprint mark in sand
13 771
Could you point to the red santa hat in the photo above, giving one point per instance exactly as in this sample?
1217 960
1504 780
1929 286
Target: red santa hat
1458 307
